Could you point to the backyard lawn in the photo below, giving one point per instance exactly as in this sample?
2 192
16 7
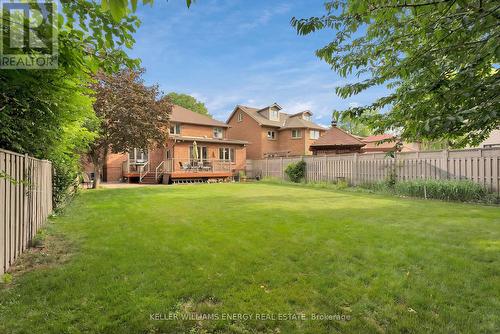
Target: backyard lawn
259 258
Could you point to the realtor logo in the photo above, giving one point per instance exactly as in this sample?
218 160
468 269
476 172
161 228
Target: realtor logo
28 35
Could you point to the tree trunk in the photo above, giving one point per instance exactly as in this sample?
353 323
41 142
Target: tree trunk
97 175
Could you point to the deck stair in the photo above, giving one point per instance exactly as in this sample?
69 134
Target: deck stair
150 178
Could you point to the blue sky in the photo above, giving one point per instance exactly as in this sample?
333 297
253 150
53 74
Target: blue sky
229 52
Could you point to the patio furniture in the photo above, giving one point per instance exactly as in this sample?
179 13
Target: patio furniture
184 166
87 181
207 166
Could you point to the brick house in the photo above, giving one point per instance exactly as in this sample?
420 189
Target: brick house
386 143
271 132
336 141
217 156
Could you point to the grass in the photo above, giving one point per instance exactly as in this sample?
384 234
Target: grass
142 255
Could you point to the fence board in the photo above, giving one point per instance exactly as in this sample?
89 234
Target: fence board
478 165
26 202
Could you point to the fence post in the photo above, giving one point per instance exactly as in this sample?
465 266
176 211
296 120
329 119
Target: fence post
267 166
354 169
281 170
444 163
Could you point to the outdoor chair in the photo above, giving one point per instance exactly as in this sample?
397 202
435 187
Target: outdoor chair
207 166
87 181
184 166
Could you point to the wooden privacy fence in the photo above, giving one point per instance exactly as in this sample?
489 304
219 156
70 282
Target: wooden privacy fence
25 202
478 165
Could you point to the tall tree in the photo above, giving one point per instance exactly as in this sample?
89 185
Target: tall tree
354 125
130 115
188 102
439 58
42 112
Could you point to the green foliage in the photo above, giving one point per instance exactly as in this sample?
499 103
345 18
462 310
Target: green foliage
42 112
38 239
188 102
296 171
120 8
359 126
42 115
6 278
438 58
448 190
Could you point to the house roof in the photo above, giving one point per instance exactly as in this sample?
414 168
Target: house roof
382 142
208 140
337 137
286 121
376 138
183 115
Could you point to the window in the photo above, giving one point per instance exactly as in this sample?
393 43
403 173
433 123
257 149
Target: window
227 154
271 135
175 129
314 134
274 115
240 117
138 155
307 117
202 153
218 133
296 133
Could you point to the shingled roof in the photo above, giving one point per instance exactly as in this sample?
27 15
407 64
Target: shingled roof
337 137
286 121
183 115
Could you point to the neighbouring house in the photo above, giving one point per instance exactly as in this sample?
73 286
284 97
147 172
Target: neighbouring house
492 141
386 143
217 158
336 141
270 132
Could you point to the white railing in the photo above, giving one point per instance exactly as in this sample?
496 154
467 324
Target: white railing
157 168
143 172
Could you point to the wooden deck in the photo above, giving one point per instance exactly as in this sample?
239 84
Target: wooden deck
199 175
187 175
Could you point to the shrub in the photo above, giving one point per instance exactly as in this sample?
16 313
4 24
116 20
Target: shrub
6 278
296 171
450 190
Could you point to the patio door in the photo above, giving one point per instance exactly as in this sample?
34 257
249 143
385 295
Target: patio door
202 153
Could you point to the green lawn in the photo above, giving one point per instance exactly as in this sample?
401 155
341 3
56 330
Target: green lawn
390 265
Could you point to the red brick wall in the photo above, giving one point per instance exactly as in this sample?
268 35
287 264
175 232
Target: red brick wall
248 129
114 167
198 130
269 145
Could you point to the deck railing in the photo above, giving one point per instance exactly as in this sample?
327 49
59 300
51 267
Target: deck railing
188 165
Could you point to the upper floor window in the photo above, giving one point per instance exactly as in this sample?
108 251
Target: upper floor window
240 117
175 128
271 135
296 133
138 155
307 117
314 134
218 133
274 115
